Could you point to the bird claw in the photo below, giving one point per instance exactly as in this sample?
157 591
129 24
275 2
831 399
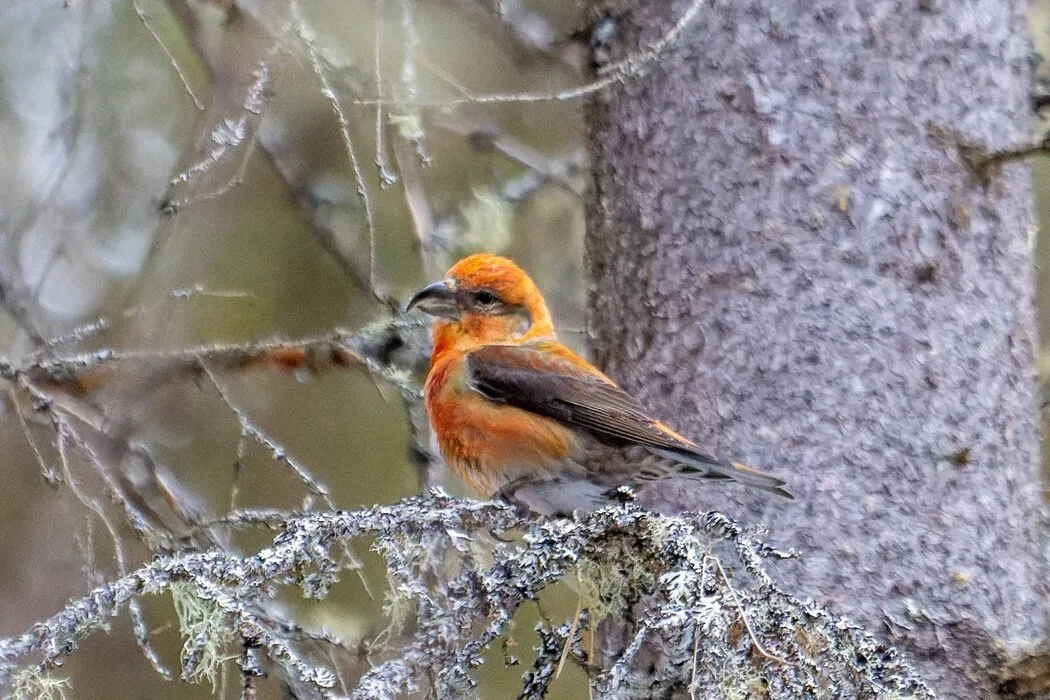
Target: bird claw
506 495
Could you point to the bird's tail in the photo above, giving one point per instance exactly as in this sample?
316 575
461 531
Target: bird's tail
696 465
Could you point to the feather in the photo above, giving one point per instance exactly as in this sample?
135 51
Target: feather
547 379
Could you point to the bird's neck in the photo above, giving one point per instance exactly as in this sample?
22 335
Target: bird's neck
455 337
447 339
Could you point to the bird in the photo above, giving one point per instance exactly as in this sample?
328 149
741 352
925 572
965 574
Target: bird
521 417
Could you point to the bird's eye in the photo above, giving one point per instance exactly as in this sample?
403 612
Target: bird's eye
484 297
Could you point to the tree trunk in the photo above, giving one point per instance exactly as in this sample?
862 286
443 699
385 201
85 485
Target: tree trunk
792 261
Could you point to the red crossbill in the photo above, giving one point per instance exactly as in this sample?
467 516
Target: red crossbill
520 416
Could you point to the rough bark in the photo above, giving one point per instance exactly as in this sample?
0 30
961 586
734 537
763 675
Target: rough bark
792 260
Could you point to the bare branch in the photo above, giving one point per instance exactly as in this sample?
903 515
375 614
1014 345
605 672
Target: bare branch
167 52
633 66
386 175
316 62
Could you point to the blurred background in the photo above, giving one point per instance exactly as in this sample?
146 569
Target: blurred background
181 175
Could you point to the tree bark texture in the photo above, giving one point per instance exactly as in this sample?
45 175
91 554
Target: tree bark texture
792 262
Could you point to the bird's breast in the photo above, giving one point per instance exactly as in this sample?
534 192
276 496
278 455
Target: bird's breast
489 444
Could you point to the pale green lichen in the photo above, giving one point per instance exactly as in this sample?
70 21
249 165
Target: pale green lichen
409 125
607 584
742 682
31 684
206 634
489 219
399 609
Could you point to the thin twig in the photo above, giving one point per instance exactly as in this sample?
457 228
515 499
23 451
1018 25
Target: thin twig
277 450
230 134
415 197
568 638
344 130
630 67
171 58
280 454
138 623
51 476
701 587
984 164
386 175
556 169
238 466
743 615
410 46
291 353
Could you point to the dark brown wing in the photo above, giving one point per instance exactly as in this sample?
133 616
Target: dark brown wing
548 379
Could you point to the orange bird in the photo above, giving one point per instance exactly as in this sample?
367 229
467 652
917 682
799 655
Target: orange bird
520 416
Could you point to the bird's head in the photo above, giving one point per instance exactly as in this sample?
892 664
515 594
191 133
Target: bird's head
484 299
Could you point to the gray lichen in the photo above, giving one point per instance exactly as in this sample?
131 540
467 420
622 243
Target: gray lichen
697 582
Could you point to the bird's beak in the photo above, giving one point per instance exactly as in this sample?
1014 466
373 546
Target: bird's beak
435 299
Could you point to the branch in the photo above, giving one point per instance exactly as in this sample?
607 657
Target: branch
790 645
315 354
632 66
984 163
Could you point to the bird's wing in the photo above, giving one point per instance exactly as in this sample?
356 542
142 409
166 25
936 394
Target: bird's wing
548 379
555 383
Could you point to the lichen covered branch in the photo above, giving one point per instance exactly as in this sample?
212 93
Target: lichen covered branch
696 581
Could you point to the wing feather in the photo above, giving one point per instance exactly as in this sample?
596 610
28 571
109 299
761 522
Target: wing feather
550 380
551 383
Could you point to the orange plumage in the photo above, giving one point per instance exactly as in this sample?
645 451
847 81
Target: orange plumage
518 415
